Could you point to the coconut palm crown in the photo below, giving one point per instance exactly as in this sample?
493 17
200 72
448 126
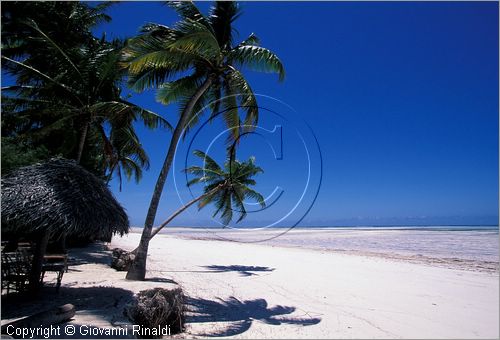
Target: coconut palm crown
68 92
195 64
226 187
198 50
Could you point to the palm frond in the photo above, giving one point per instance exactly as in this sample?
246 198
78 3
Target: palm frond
197 39
184 87
97 15
209 162
257 58
221 17
34 26
252 40
227 210
150 119
148 78
230 114
188 10
252 194
163 59
248 102
206 173
43 76
238 198
131 168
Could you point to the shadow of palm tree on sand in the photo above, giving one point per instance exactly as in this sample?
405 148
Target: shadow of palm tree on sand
242 270
240 314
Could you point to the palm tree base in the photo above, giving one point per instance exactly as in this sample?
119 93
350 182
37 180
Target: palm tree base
136 274
137 271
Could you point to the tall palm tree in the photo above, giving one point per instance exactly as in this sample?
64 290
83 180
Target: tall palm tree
203 48
226 187
70 25
78 94
67 97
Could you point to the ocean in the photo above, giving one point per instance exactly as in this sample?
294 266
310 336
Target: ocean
458 247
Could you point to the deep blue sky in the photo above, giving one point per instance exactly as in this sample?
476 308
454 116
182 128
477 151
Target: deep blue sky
402 97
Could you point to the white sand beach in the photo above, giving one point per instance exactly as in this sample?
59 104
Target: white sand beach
312 170
261 291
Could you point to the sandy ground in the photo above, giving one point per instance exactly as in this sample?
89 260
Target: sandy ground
460 248
258 291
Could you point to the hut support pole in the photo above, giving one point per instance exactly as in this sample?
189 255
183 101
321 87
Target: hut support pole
36 266
62 243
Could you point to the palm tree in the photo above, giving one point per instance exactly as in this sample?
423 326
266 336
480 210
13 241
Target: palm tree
226 187
124 157
76 95
67 96
69 25
202 47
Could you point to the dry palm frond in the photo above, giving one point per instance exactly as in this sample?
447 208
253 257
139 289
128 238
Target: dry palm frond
59 196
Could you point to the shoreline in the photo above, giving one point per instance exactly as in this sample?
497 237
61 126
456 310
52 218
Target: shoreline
320 240
494 228
327 294
245 290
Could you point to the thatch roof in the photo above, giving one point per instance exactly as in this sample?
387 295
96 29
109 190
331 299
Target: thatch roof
59 196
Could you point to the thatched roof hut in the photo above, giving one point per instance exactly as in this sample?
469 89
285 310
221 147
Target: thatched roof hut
59 196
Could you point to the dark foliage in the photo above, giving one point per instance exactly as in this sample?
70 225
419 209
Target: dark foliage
59 196
16 154
66 96
68 24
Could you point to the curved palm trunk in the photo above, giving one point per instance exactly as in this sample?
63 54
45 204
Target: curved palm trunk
178 211
137 270
81 142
